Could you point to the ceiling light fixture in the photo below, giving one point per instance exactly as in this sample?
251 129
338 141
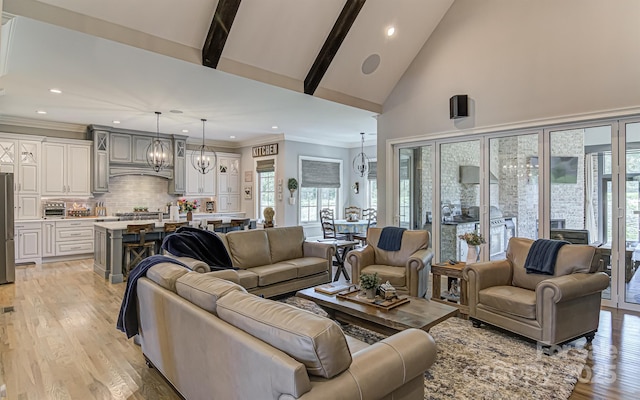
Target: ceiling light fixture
274 127
361 161
232 137
390 31
56 91
157 151
185 131
204 159
115 121
41 112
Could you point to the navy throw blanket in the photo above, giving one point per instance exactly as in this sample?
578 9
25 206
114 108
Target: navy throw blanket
391 238
128 316
200 244
542 256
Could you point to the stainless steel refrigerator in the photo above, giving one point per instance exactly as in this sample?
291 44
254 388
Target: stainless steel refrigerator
7 247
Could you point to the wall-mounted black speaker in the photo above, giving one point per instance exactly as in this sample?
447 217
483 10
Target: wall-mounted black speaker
458 106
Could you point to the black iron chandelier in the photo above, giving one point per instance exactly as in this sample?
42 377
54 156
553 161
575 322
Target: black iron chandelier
204 158
157 152
361 161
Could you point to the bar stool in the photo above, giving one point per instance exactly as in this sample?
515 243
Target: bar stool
170 227
140 250
215 225
238 224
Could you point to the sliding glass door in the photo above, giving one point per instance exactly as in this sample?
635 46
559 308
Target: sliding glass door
628 279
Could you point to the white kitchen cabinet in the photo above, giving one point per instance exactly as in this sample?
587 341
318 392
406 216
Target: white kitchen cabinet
197 183
48 239
27 237
228 182
22 159
66 169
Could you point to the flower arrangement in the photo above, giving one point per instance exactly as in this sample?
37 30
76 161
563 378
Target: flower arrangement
473 239
187 205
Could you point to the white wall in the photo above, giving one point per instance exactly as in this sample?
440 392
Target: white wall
520 62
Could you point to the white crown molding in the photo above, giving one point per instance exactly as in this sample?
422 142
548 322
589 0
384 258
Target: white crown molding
348 145
261 140
33 123
6 17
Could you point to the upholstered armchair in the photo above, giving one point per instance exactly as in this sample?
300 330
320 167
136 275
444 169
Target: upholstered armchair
406 269
549 309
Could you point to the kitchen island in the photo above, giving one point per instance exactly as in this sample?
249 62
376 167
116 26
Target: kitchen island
108 239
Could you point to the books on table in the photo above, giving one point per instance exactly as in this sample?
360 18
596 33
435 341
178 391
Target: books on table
333 288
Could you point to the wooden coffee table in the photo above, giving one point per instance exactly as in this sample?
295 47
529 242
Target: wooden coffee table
417 313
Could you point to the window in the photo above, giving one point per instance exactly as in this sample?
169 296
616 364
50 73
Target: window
372 185
266 185
319 185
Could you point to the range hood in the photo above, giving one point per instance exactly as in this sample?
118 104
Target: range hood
470 174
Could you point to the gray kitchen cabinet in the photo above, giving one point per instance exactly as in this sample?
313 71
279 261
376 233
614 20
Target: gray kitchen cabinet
178 183
100 162
120 151
141 147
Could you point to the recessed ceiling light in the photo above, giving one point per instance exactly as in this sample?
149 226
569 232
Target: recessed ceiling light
391 30
274 127
175 111
185 131
232 137
56 91
115 121
41 112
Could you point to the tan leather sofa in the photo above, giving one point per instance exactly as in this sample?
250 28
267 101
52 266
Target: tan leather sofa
275 261
213 340
406 269
549 309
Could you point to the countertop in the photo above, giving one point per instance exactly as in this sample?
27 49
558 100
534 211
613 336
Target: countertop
103 218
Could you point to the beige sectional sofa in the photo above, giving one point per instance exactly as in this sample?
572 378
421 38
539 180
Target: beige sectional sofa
275 261
213 340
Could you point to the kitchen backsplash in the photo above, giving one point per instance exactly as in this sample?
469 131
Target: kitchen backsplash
129 191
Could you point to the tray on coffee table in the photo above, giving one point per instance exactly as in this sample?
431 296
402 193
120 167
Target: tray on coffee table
377 302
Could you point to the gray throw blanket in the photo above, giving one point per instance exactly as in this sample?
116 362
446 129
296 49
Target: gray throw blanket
391 238
200 244
542 256
128 316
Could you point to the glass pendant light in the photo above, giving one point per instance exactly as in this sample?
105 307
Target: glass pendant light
361 161
204 158
157 152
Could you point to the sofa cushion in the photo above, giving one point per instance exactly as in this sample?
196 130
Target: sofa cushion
412 241
395 275
510 299
248 278
274 273
166 274
204 290
285 243
249 248
308 266
315 341
572 258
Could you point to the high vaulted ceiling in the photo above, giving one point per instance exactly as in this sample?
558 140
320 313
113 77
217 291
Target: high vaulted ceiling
274 43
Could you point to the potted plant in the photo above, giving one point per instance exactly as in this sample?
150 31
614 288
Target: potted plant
369 283
473 240
292 185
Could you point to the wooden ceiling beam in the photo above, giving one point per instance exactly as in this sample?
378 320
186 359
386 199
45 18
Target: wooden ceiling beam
219 31
332 44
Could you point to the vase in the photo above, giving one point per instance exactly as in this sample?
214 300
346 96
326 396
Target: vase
371 293
473 254
189 216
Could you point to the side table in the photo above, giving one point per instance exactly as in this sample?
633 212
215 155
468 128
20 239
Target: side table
452 271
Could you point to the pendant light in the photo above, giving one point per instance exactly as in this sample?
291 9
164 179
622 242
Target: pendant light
204 158
157 152
361 161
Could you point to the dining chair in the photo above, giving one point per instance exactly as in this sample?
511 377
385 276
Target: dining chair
371 215
170 227
238 224
214 225
352 210
328 225
140 249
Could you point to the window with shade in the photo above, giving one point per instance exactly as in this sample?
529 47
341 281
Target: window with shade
372 185
266 185
320 181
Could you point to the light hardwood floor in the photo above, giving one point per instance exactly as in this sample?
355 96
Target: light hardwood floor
60 342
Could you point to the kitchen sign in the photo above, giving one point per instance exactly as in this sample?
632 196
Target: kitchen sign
265 150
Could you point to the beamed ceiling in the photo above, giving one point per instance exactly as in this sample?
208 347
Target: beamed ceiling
304 60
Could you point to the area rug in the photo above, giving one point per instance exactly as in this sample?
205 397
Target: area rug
485 363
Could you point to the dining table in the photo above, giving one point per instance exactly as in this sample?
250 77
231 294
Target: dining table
350 228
